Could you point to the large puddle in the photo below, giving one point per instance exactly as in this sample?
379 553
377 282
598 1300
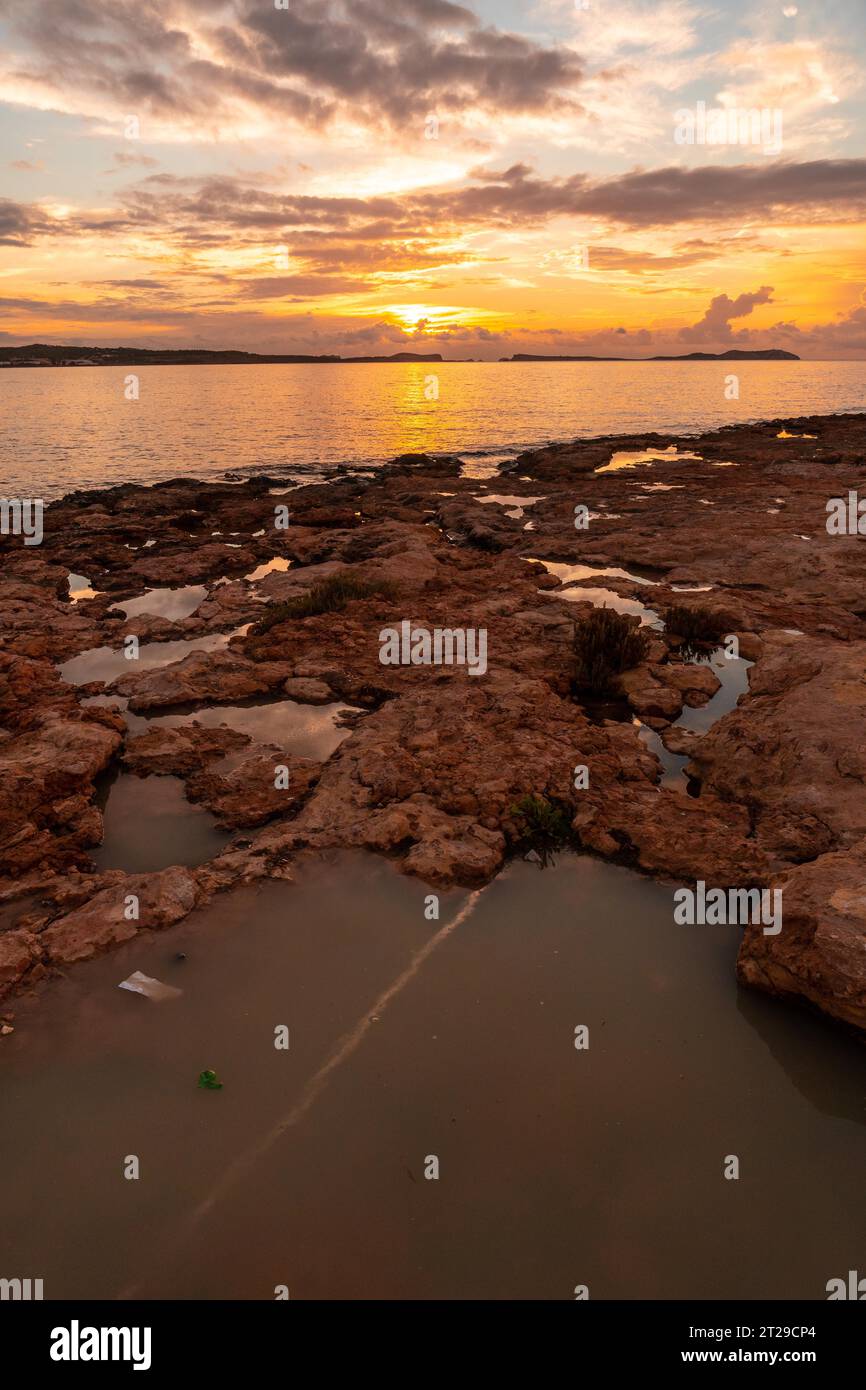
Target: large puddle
411 1039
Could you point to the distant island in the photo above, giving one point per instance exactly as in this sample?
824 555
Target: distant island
54 355
732 355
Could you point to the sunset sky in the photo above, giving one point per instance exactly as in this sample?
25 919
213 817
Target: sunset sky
364 176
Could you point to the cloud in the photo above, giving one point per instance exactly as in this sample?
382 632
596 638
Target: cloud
126 160
832 189
22 223
294 287
203 66
715 326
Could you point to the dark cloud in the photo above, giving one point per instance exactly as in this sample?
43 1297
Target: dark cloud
22 223
660 197
376 60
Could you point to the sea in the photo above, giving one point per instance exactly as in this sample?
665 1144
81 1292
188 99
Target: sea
66 428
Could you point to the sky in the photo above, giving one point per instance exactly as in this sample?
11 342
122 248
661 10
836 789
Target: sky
614 177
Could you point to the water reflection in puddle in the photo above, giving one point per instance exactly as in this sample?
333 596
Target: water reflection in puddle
572 573
172 604
601 598
79 588
733 673
307 731
269 567
150 825
516 505
107 664
673 764
734 676
609 598
639 458
481 468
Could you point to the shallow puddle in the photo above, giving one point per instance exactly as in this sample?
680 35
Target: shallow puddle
641 458
278 563
172 604
150 825
79 588
107 664
410 1039
673 764
517 505
733 673
569 574
734 676
482 467
308 731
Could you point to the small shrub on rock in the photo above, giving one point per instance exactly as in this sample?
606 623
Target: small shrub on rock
606 643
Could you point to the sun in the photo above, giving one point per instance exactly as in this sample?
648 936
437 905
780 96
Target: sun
427 317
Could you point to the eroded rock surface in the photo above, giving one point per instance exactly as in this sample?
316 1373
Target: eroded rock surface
437 761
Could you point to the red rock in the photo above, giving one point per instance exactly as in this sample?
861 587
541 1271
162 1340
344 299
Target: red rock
164 898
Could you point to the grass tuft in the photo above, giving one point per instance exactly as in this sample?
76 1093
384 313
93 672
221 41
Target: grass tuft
329 595
606 643
543 825
695 626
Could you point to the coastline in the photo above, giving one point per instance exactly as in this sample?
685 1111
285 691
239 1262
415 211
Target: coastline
780 785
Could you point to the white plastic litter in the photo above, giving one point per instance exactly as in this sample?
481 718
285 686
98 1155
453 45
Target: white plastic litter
150 988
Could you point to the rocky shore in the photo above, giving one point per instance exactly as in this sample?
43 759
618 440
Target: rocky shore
430 761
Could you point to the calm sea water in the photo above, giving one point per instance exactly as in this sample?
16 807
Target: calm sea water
65 428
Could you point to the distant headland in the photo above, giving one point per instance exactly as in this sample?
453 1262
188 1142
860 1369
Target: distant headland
732 355
55 355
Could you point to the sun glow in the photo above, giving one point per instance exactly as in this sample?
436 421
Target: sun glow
431 318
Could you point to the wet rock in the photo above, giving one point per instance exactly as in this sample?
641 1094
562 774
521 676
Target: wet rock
163 898
432 771
819 956
180 751
269 783
19 950
220 677
308 691
46 781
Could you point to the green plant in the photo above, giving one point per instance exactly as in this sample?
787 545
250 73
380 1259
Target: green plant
329 595
543 825
695 626
606 643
